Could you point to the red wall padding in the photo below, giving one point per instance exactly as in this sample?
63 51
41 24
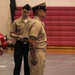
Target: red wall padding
59 25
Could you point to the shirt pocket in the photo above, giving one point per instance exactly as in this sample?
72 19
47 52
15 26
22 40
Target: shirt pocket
19 29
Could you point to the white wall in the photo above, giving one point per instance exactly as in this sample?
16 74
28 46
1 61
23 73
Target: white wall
48 2
5 18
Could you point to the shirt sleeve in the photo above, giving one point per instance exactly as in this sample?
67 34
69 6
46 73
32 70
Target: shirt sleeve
13 27
35 29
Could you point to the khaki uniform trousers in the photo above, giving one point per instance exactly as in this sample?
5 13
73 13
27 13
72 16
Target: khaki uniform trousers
39 68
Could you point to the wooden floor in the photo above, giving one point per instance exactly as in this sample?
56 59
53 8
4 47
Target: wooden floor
56 64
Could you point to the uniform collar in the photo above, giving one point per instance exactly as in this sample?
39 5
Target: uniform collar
37 18
20 19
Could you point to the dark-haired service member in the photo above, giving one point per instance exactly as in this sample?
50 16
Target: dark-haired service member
21 47
37 41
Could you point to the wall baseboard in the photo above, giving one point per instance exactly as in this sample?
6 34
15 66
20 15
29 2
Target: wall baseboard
62 49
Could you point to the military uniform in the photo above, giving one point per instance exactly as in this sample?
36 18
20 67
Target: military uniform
36 29
19 27
21 47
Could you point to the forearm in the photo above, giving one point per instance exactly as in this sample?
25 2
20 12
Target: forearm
32 45
14 35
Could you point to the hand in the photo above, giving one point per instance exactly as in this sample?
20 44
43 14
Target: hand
34 61
1 51
20 37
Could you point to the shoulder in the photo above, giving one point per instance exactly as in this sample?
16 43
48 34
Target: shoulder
34 21
35 24
17 20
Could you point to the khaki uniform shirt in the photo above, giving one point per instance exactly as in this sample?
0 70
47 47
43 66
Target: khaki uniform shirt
36 29
20 27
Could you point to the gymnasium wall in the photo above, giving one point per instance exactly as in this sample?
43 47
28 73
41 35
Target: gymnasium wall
5 18
48 2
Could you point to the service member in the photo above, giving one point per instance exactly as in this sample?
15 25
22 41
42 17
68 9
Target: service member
21 47
37 41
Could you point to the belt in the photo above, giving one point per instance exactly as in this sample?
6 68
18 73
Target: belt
24 40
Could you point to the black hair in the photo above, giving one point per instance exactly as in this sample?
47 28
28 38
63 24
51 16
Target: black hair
27 7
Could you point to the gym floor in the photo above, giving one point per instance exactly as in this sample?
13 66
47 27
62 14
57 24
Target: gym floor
56 64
